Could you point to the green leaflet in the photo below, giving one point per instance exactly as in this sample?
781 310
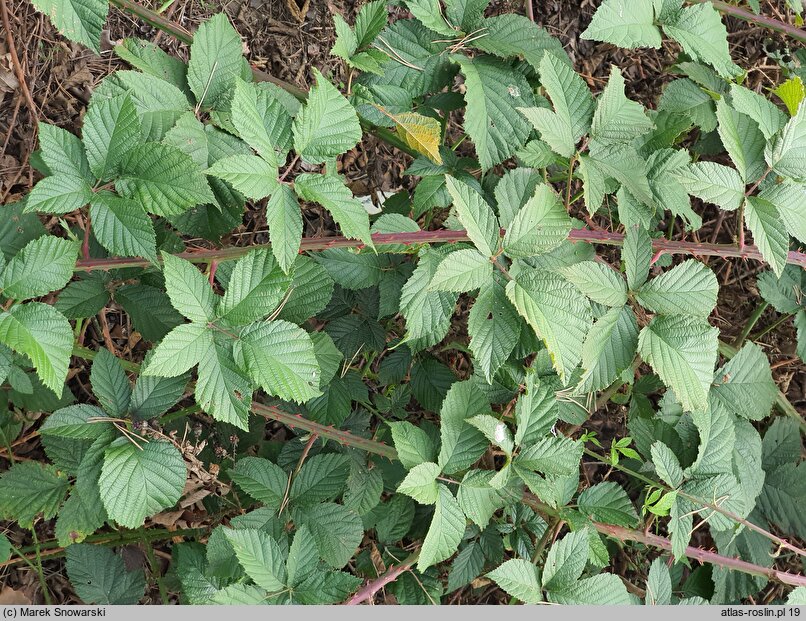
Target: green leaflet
769 232
477 498
79 21
558 314
63 152
541 225
769 117
82 298
787 153
557 456
461 445
99 576
745 385
713 183
179 351
601 590
573 107
44 335
137 482
445 532
494 430
427 313
618 119
111 129
263 480
682 350
512 35
519 578
255 289
494 91
251 175
699 29
598 282
429 13
413 445
461 271
189 290
666 464
280 358
110 384
421 483
624 23
637 253
122 226
686 98
565 561
216 59
494 328
72 421
261 121
743 141
476 215
163 179
327 125
28 489
223 389
609 349
152 60
689 288
535 412
57 194
594 184
330 192
43 265
787 197
260 556
285 226
608 502
336 530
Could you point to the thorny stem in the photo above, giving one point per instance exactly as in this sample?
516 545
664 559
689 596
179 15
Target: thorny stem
310 244
384 450
392 573
758 20
51 548
752 320
782 543
704 556
43 583
780 321
85 244
671 247
155 571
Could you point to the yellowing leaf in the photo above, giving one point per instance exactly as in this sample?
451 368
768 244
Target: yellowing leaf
420 132
791 93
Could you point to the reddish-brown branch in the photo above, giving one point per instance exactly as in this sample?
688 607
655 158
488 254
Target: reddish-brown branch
758 20
369 590
298 421
605 238
704 556
617 532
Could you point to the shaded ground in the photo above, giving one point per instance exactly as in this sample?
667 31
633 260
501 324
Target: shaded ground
287 42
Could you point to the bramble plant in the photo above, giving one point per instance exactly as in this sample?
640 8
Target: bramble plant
398 471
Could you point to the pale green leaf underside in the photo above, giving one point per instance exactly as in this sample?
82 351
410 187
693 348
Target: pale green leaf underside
682 350
558 314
